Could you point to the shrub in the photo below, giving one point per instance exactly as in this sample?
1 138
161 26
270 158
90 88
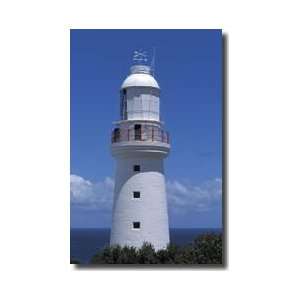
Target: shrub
208 249
205 249
74 261
147 254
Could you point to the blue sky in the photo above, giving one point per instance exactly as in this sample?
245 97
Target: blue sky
189 72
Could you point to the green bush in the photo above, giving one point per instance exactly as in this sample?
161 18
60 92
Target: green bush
205 249
74 261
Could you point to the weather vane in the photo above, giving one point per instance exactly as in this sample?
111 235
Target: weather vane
140 57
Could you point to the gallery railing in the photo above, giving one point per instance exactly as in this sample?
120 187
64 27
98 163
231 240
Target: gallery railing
143 133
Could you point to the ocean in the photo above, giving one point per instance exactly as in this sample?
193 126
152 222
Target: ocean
86 242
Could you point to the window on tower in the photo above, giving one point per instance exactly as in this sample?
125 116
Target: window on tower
136 168
123 105
137 132
136 195
136 225
116 135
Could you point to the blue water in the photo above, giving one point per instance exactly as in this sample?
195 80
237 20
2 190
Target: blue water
86 242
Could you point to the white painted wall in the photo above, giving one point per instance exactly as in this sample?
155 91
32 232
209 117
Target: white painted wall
150 209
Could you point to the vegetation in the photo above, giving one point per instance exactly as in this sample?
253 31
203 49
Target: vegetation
205 249
74 261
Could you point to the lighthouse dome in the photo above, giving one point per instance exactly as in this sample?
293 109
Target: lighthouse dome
140 76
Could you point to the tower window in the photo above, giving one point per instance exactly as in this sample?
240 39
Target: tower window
116 135
136 195
123 105
136 168
136 225
137 132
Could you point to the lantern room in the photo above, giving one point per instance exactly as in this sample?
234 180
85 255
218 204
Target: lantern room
139 99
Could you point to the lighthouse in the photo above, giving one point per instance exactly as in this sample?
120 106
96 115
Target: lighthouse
139 145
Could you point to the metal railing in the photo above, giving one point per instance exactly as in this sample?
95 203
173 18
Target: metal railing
145 133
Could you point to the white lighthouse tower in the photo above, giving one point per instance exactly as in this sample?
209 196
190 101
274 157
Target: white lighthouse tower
139 145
